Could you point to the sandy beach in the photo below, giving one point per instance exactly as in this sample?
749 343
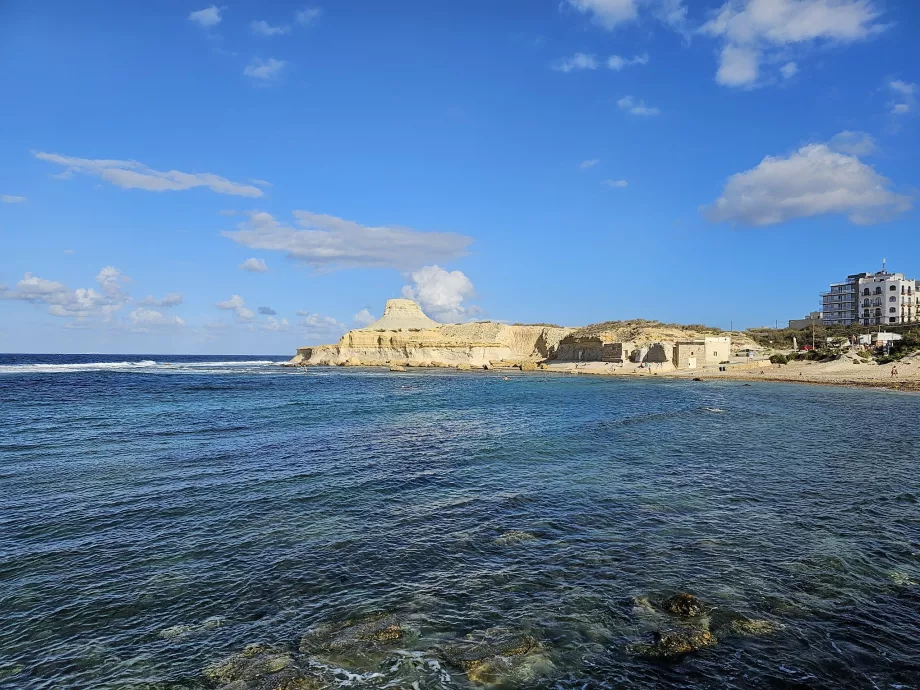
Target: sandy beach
842 372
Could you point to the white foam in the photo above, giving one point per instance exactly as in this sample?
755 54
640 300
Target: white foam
147 365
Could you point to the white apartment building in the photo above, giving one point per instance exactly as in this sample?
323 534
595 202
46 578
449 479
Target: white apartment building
872 299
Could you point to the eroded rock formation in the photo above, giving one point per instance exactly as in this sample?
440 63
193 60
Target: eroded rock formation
405 336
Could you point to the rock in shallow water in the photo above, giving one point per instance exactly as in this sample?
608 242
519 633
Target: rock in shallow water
671 644
497 657
684 604
371 632
261 667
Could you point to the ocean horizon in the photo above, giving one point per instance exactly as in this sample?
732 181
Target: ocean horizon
171 521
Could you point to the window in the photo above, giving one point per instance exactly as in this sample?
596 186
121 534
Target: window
878 312
892 310
892 299
866 314
878 290
865 303
892 320
893 288
866 291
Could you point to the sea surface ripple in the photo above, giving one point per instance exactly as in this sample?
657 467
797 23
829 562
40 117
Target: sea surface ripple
159 514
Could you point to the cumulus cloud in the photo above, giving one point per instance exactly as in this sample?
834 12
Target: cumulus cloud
815 180
308 15
318 326
327 242
208 17
611 13
134 175
11 199
264 70
267 311
615 184
607 13
273 324
364 318
237 305
853 143
585 165
254 265
579 61
905 93
81 303
263 28
173 299
634 107
441 293
754 31
616 63
143 319
585 61
789 70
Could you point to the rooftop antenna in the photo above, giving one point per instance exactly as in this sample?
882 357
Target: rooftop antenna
883 265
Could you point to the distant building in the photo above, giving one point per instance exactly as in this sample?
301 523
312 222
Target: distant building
690 354
815 318
872 299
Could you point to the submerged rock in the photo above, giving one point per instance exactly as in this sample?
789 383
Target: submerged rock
754 627
397 367
378 630
261 667
684 604
497 656
670 644
514 536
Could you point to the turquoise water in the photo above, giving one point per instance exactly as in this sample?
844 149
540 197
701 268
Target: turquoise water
159 518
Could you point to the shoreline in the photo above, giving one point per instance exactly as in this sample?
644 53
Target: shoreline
811 373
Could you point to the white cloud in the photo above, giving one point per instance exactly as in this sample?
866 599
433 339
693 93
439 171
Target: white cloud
789 70
633 107
70 251
853 143
364 318
615 184
585 165
585 61
81 303
10 199
254 265
273 324
328 242
441 293
607 13
263 28
237 305
738 66
267 311
754 30
319 326
815 180
145 319
308 15
579 61
172 299
906 95
265 70
134 175
616 63
208 17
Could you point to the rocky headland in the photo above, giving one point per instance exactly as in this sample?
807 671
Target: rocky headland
405 336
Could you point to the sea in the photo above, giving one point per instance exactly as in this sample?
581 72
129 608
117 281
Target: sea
177 522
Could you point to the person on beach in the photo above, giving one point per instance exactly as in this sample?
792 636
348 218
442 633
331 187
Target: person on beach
894 371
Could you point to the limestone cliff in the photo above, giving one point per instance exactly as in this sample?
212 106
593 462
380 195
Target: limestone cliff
404 335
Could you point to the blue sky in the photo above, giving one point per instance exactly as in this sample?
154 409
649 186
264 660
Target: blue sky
251 177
